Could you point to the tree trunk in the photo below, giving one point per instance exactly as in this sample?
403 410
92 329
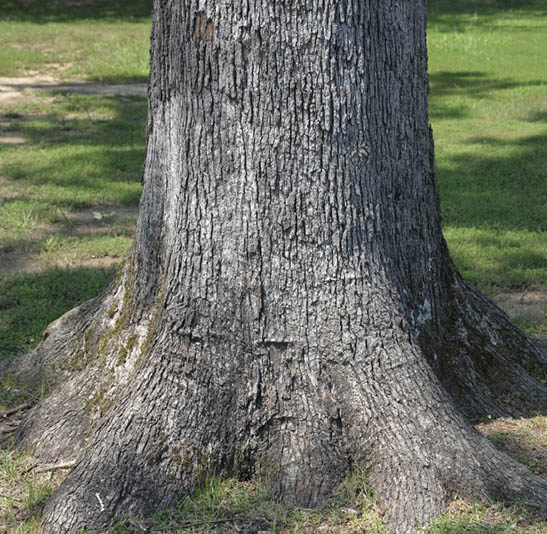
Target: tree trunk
288 307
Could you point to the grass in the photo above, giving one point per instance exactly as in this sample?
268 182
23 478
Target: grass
32 301
91 40
483 518
70 193
488 111
22 493
80 151
69 190
226 505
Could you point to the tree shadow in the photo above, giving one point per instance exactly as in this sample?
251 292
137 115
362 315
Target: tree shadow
84 154
505 192
471 84
450 16
106 88
38 11
537 116
495 211
98 236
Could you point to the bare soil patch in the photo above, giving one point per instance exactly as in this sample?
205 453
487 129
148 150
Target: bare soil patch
98 220
87 220
523 439
13 89
12 138
23 262
526 305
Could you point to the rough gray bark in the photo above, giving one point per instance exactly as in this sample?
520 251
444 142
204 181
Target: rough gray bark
289 307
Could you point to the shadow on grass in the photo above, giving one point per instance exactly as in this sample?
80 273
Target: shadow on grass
71 158
471 84
38 11
114 79
460 16
495 211
537 116
453 15
504 192
29 302
105 88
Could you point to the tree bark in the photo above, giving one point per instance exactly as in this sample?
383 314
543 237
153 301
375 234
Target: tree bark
289 307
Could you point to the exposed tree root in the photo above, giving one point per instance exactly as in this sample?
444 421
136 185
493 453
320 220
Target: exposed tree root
420 452
181 407
489 366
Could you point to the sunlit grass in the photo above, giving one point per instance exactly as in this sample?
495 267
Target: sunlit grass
99 40
488 108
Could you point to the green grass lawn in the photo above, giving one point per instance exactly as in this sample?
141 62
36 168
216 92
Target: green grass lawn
70 187
488 74
104 40
83 155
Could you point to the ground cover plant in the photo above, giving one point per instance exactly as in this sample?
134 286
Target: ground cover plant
69 189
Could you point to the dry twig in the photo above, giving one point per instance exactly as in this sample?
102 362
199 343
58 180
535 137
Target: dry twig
48 467
19 408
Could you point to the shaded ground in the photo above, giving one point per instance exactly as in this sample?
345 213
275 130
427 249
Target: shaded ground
523 439
12 89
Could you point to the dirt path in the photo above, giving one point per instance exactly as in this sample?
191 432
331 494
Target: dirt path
13 89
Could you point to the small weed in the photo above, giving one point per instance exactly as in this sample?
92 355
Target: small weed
535 466
27 218
355 489
51 243
9 465
36 493
498 438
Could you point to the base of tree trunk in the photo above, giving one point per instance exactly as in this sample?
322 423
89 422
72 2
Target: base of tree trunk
146 419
